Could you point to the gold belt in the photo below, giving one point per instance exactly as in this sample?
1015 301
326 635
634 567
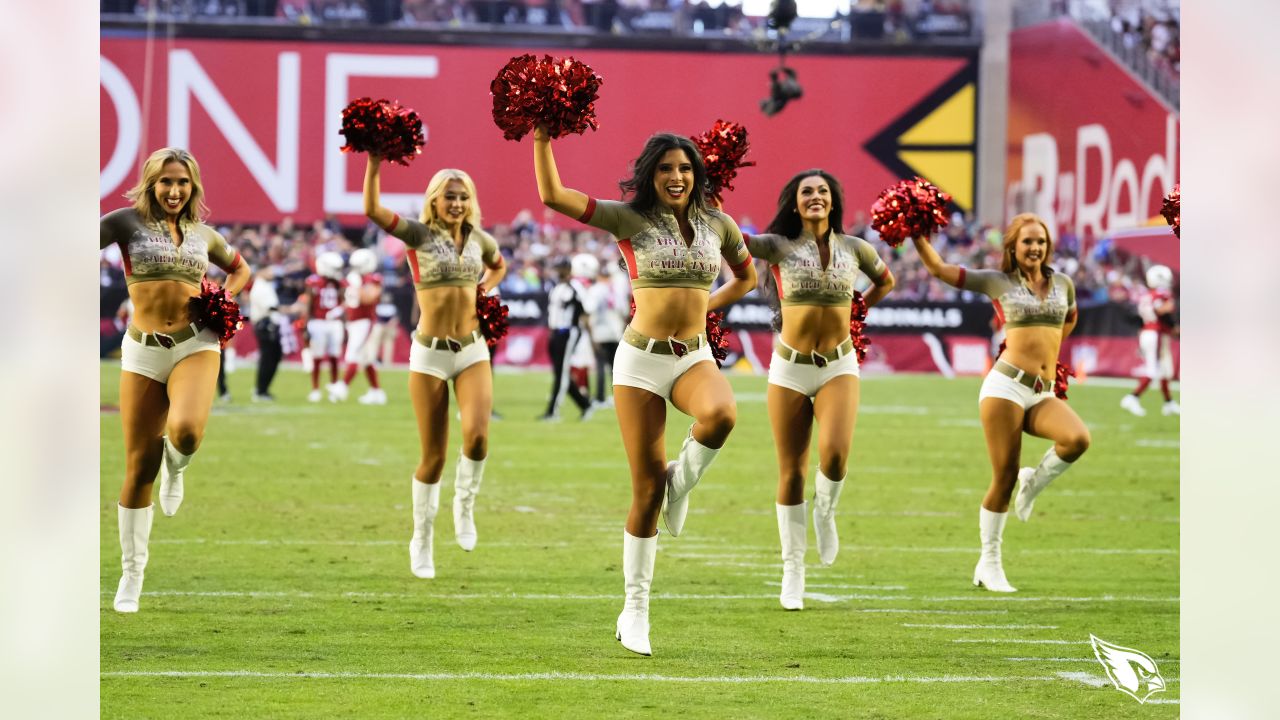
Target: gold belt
670 346
447 343
164 340
1020 376
813 358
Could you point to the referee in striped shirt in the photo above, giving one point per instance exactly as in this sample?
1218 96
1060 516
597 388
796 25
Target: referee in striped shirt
566 316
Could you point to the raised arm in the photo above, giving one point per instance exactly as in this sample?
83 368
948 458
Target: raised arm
554 195
947 273
373 209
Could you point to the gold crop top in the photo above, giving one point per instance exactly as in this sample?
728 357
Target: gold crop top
149 252
797 267
1016 304
434 259
657 254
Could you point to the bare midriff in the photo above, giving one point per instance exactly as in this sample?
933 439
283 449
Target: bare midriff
161 305
671 312
1034 349
447 311
807 328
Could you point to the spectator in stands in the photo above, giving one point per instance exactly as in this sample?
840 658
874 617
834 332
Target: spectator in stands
168 363
451 254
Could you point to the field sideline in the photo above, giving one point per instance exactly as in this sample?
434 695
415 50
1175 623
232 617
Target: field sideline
282 588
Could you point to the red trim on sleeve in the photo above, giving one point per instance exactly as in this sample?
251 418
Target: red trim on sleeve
960 283
883 275
999 311
746 239
777 278
591 210
235 263
412 256
625 246
395 220
1072 314
124 255
742 264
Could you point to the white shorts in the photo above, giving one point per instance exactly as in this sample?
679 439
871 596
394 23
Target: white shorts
656 373
157 362
1157 354
443 363
809 379
1002 386
326 337
360 349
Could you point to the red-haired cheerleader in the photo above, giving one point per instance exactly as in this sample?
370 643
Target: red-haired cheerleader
1039 310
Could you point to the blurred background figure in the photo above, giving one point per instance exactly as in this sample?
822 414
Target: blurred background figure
1156 307
566 317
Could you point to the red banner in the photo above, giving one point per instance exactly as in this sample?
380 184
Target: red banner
1088 145
262 117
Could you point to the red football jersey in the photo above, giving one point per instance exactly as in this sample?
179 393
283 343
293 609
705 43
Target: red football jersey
325 294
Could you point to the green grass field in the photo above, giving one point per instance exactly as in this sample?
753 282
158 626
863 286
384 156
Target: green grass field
282 588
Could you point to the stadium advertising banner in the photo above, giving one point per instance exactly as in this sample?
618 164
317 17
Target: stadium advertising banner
262 117
1088 145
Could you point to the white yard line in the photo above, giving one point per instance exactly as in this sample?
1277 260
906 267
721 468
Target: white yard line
976 597
1090 659
589 677
942 626
1019 641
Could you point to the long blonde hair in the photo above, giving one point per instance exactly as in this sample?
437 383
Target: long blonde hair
435 189
143 194
1009 263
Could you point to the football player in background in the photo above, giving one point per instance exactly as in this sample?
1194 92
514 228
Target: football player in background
362 294
324 323
1156 307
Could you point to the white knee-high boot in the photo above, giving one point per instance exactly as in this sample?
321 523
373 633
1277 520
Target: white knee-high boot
683 474
171 469
826 494
990 570
637 571
792 521
426 503
135 534
466 485
1032 482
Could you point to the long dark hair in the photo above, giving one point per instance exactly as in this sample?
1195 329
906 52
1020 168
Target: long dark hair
787 221
640 185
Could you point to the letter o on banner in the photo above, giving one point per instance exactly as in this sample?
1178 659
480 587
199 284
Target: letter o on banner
128 122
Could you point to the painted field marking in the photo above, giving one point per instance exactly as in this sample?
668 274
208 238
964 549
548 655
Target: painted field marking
974 598
1090 660
589 677
1161 443
1020 641
911 611
1083 677
340 543
943 626
846 586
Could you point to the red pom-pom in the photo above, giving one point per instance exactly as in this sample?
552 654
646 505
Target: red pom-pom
1172 209
717 336
493 317
858 326
214 309
382 128
1063 372
722 148
559 93
908 209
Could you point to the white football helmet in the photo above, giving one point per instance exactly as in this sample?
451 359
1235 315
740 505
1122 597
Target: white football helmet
329 264
1159 277
363 261
585 265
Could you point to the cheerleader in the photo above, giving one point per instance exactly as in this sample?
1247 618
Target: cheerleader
1039 310
673 243
813 374
448 254
168 362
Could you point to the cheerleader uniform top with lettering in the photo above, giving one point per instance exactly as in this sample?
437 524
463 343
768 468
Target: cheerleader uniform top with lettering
797 267
656 253
1016 303
434 259
149 252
